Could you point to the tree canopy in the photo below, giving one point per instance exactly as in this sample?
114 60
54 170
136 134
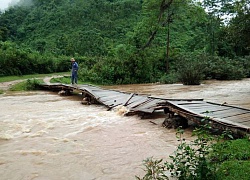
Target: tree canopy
124 41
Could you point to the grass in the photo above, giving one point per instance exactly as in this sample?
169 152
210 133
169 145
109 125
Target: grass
19 86
13 78
63 80
238 149
34 79
30 84
234 159
67 80
232 170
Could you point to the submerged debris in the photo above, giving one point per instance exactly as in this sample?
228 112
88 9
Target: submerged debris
86 101
175 122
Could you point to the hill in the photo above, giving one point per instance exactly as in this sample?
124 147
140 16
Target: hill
70 27
118 41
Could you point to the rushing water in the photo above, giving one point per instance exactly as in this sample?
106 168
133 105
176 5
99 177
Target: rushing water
45 136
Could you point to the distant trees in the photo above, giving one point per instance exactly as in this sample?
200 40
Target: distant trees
233 36
16 60
126 41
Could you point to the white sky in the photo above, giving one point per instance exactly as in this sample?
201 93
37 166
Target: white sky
4 4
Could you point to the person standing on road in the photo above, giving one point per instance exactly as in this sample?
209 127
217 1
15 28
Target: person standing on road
74 71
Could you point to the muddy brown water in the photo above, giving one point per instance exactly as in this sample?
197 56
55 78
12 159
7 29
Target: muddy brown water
45 136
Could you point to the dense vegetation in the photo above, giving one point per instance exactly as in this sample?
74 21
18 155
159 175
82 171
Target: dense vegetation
207 157
127 41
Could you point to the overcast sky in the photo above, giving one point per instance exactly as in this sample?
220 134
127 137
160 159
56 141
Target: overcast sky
4 4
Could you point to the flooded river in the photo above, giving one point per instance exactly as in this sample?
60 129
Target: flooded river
44 136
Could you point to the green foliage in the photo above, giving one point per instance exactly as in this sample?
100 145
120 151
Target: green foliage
231 150
72 27
32 84
154 170
63 80
15 60
190 160
224 68
32 76
233 39
169 78
231 170
122 68
190 69
206 157
245 63
1 91
125 41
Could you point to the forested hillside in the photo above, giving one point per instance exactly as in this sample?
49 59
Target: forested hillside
127 41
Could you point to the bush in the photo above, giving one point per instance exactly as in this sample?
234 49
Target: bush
206 157
111 70
222 68
154 170
245 61
190 69
188 162
32 84
103 72
169 78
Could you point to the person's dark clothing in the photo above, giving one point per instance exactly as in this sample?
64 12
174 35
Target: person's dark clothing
74 73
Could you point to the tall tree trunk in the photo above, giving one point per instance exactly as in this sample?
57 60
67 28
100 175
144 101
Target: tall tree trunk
165 5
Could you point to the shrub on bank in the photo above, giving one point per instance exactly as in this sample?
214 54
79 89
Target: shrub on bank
169 78
190 69
222 68
245 61
204 158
